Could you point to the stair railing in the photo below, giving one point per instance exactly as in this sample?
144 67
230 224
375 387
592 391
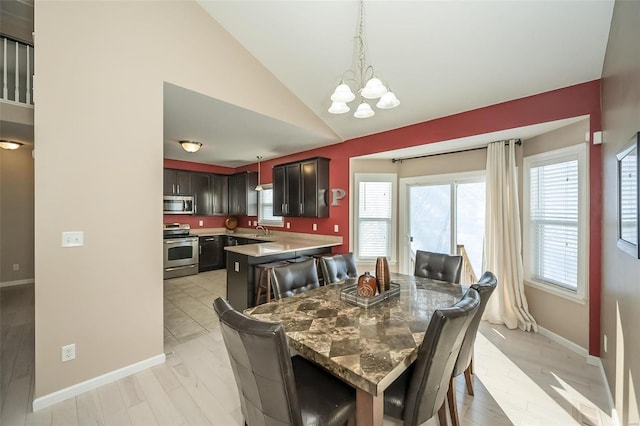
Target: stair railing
17 71
467 276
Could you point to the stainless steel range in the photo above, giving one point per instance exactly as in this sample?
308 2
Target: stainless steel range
180 250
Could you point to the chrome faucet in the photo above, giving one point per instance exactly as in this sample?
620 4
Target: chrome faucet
264 228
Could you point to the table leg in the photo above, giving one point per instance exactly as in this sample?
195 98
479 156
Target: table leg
369 408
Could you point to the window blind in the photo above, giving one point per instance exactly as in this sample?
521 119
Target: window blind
265 208
374 213
554 223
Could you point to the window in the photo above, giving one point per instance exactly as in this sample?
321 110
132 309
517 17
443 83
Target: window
265 208
555 220
375 198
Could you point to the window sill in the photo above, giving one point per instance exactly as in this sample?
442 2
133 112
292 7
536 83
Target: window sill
558 291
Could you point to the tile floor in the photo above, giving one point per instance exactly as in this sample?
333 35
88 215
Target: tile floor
521 378
188 309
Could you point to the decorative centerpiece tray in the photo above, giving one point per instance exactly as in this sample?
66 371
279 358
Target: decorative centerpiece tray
349 293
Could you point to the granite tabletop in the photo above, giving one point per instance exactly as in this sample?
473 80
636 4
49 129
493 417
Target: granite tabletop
366 347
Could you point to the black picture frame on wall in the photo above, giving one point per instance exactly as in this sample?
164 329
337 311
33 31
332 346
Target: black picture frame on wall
628 200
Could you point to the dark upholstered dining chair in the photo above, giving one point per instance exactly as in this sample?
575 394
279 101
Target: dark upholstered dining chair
338 267
438 266
420 392
274 388
485 286
294 278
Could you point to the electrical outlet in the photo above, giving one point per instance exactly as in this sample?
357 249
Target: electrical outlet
335 228
73 239
236 266
288 225
68 352
604 342
201 222
16 266
315 226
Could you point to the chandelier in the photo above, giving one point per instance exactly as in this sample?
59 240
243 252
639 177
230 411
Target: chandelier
367 84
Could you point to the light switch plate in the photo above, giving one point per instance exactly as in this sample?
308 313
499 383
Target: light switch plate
73 239
335 228
315 226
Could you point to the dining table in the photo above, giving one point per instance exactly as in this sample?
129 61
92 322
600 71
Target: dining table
367 347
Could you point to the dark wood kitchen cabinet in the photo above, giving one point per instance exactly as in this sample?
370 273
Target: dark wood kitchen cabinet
243 197
211 255
201 186
301 189
219 194
177 182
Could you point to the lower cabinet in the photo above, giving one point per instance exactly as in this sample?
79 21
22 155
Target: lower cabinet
212 255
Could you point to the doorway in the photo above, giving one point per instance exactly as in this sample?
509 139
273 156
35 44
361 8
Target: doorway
445 214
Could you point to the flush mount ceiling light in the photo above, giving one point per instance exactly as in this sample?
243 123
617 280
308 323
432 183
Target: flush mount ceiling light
190 146
367 84
259 187
5 144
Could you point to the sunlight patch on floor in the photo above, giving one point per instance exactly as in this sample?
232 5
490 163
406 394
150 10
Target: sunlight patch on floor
523 400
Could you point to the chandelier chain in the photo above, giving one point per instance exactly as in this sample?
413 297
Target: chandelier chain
361 48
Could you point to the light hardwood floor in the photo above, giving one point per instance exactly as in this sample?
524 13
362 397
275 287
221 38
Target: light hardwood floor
521 378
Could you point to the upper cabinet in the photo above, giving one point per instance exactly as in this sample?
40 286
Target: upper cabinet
201 185
220 194
210 190
177 182
243 198
301 188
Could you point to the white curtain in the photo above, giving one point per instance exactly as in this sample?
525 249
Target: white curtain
503 241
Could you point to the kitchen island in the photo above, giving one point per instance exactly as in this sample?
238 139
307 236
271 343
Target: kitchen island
242 259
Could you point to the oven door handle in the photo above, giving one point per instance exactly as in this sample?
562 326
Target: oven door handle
190 241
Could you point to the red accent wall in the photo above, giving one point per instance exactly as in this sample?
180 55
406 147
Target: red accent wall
572 101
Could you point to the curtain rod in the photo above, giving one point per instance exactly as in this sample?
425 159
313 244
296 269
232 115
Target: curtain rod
394 160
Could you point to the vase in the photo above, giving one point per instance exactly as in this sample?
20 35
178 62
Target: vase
382 274
367 286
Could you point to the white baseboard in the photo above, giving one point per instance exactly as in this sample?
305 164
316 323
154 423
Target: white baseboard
566 343
87 385
591 360
17 282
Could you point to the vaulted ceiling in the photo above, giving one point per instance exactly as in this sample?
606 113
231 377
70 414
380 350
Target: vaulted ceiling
439 57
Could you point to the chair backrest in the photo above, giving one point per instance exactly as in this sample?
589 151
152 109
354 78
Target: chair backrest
262 367
437 356
485 286
338 267
438 266
294 278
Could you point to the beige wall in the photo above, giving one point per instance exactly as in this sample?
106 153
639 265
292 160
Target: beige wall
564 317
16 215
620 314
98 135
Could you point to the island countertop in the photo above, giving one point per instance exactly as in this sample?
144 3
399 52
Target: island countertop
274 243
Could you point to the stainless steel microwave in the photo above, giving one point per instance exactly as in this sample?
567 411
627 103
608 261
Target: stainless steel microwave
177 204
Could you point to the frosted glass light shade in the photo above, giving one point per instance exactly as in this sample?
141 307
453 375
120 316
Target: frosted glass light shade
343 94
339 108
5 144
364 111
190 146
373 89
388 101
